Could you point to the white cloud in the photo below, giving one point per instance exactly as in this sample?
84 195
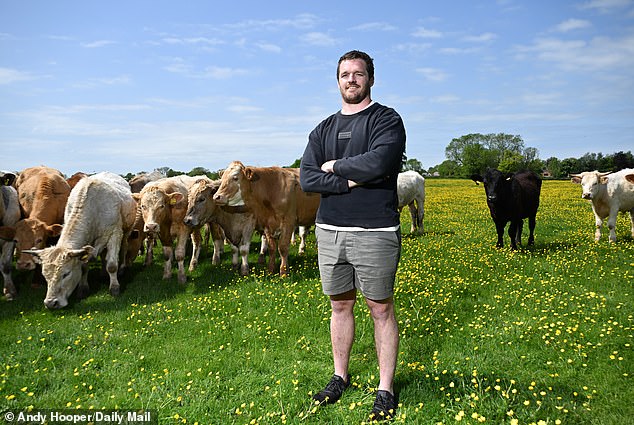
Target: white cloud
482 38
601 53
571 25
97 44
8 76
374 26
319 39
422 32
606 5
269 47
432 74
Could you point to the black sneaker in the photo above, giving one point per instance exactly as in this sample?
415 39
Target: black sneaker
333 390
384 407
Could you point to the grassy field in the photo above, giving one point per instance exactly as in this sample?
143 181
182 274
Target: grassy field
538 336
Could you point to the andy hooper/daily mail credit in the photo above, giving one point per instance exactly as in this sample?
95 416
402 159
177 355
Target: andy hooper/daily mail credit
81 417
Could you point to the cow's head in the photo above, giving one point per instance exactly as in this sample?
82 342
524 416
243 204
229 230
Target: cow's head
230 190
200 202
496 183
32 233
7 178
591 182
62 269
156 206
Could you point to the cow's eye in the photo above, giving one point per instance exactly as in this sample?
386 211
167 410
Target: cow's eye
65 275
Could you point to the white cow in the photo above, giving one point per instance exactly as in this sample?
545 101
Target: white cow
98 217
9 216
411 192
609 193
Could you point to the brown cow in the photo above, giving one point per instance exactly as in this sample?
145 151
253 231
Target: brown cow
74 179
163 205
276 199
238 226
42 193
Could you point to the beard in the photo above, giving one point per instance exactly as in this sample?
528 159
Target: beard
354 97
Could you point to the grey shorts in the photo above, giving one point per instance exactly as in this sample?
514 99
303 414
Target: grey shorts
366 261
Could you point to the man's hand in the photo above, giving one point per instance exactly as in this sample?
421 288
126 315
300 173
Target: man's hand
328 166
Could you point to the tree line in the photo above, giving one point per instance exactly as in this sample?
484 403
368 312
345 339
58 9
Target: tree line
474 153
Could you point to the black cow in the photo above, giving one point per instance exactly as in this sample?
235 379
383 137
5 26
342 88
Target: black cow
512 197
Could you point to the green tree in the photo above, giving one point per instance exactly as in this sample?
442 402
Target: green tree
448 168
413 164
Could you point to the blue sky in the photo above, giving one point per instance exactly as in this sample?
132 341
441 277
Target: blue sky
129 86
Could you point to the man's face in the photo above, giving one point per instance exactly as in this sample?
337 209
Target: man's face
354 82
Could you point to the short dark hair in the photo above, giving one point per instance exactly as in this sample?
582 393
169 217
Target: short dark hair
356 54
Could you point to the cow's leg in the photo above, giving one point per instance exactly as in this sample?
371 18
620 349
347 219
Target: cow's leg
598 224
420 219
168 252
513 234
179 257
218 237
518 232
413 213
271 243
149 250
263 250
499 227
283 245
6 262
303 231
632 220
614 212
83 289
244 254
196 246
112 259
531 229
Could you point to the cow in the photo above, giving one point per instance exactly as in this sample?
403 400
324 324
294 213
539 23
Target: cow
411 192
42 193
163 204
609 194
74 179
275 198
9 216
98 219
512 197
139 181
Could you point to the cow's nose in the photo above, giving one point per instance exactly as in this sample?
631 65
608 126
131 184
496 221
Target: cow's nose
587 196
25 265
219 199
151 227
51 303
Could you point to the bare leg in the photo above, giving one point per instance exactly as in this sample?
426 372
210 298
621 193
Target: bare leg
386 340
342 330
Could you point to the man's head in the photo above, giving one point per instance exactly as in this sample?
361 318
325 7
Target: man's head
355 76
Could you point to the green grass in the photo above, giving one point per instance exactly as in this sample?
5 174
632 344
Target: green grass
538 336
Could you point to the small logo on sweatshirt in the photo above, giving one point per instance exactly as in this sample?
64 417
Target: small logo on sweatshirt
344 135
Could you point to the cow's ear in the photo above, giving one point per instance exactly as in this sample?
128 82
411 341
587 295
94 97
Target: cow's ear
85 254
251 174
54 230
7 233
603 180
477 178
576 179
8 179
630 178
176 198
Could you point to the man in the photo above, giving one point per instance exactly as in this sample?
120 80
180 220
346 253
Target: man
353 159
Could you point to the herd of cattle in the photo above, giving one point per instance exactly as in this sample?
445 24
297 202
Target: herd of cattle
63 223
